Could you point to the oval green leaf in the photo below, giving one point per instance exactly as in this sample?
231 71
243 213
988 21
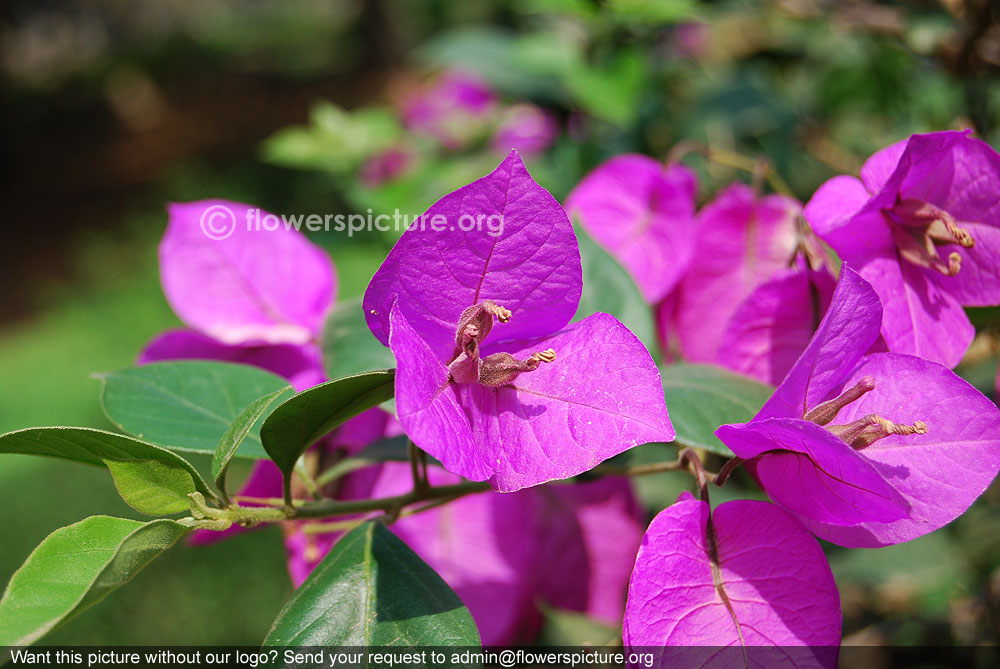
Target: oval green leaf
97 447
700 398
609 289
74 568
372 590
187 405
152 487
300 421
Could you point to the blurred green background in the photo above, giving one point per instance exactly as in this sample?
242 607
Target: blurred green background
111 109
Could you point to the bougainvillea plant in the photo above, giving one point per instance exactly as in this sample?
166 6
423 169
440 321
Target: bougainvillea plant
451 458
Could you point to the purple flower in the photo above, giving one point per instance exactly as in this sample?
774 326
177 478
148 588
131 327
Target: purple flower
570 547
745 574
741 242
490 379
921 225
869 450
643 213
453 108
527 128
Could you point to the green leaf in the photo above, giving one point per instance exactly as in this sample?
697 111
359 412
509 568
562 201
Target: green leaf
301 420
237 432
372 590
187 405
74 568
610 93
336 140
349 347
97 447
700 398
608 288
652 12
152 487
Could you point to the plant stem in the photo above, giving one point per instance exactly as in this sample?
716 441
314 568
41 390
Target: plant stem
342 468
419 480
394 506
328 508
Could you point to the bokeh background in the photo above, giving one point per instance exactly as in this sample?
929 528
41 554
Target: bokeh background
113 108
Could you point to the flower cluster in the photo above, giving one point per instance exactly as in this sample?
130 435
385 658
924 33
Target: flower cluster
868 440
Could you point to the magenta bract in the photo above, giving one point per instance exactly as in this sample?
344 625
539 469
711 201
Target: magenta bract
748 575
768 331
490 380
229 276
643 213
922 225
742 241
254 295
501 238
869 450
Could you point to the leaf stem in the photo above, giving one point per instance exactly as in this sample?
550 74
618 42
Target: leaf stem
312 487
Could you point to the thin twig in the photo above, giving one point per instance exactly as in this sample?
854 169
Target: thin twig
638 470
419 481
727 469
689 456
